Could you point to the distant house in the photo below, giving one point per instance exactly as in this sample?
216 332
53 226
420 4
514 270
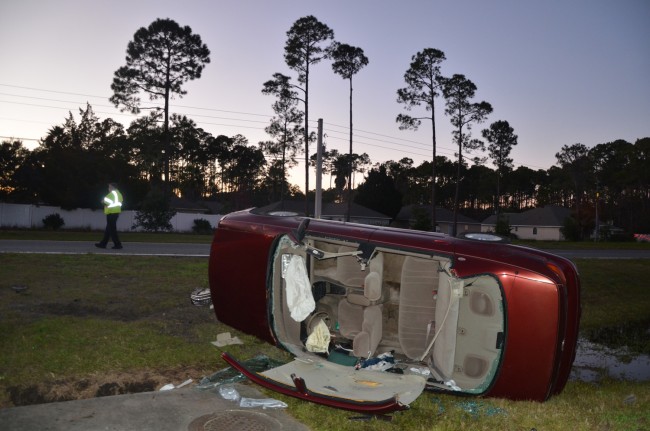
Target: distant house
407 217
539 223
329 211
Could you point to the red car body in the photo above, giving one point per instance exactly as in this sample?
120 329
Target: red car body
535 297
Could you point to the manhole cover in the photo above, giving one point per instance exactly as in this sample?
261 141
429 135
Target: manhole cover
235 420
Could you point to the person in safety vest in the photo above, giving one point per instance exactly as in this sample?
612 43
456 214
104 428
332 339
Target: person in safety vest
112 208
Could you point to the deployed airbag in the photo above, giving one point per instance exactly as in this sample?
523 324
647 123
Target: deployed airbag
319 339
298 289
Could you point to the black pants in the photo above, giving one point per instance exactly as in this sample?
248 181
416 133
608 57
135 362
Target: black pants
111 230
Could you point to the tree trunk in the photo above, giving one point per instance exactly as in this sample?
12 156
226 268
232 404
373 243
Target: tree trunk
166 144
454 229
307 141
347 215
433 168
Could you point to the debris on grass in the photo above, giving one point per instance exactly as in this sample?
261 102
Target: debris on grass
170 386
19 288
229 375
477 409
201 297
629 400
225 339
228 392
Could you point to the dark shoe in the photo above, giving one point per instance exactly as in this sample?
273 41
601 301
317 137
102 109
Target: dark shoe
117 247
100 245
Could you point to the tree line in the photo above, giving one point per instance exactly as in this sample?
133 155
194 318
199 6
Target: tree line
166 154
609 182
75 160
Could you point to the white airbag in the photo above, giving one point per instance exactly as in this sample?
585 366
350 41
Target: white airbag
298 289
319 339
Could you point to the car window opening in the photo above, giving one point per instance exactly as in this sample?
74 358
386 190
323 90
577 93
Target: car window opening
378 302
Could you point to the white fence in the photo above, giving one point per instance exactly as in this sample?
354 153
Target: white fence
31 216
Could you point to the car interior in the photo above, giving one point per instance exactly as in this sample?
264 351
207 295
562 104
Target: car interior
379 303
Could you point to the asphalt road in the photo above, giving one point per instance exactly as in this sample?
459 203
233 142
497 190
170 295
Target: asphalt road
203 250
174 410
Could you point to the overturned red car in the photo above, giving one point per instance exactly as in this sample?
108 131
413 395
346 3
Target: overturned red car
376 315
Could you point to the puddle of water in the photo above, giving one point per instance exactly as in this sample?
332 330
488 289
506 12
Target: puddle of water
595 362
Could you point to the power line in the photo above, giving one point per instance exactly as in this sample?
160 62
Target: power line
19 139
314 122
107 98
380 139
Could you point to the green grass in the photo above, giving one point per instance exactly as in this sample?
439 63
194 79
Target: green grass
94 236
581 407
85 235
616 302
95 315
68 345
615 292
584 245
89 314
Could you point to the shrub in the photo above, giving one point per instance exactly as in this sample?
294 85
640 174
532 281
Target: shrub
201 226
53 221
503 226
621 237
154 214
421 220
571 230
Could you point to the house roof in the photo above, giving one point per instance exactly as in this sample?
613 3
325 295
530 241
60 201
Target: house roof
549 215
327 210
442 214
186 205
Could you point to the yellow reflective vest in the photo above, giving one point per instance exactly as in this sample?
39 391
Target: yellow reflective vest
113 202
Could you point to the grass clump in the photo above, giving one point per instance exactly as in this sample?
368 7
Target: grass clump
94 236
93 320
615 302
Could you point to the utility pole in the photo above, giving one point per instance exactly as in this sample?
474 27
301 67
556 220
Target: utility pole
319 171
597 230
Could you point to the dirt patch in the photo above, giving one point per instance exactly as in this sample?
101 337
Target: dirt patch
158 293
179 321
78 309
99 386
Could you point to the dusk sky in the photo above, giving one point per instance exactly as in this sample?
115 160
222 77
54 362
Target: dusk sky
560 72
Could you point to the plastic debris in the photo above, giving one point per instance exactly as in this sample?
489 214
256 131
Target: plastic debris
201 297
630 399
229 393
185 383
229 375
383 362
225 339
265 403
170 386
451 384
422 371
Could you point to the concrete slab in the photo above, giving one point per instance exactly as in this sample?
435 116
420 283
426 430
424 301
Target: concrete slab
175 410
